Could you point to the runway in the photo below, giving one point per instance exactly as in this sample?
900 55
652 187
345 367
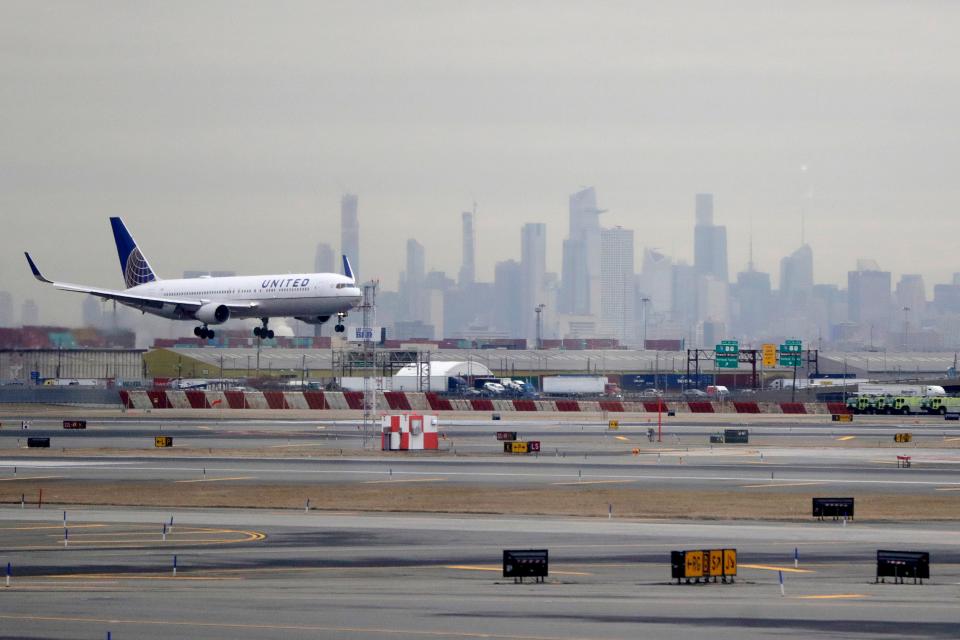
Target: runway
388 576
412 572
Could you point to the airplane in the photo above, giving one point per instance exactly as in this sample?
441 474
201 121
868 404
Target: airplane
311 297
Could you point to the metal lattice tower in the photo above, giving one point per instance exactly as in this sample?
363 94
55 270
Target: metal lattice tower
371 383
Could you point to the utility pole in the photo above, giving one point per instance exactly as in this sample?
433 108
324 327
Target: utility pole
370 385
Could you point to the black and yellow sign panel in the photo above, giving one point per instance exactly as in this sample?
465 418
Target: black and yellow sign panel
843 417
613 424
163 441
518 447
706 564
903 437
729 562
693 561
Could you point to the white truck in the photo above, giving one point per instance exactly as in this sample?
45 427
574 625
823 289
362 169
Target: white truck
574 385
907 390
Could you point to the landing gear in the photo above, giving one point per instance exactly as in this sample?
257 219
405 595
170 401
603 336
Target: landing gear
204 333
339 328
262 332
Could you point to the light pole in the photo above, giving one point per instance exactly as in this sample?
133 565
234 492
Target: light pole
644 302
906 327
539 311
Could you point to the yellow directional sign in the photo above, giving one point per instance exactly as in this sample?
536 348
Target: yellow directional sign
769 355
613 424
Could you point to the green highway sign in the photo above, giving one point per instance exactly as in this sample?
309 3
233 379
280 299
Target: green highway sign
727 347
727 362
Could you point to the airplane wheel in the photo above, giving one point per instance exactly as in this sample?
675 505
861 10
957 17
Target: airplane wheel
196 331
210 334
270 334
256 331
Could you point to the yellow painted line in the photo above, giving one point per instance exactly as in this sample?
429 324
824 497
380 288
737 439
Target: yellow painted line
217 479
624 438
561 484
53 526
483 567
315 628
406 480
304 444
834 596
947 489
767 567
846 437
29 478
780 484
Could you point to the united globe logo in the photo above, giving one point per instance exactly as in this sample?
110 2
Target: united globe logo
137 270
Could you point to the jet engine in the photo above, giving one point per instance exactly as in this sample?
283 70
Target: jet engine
212 313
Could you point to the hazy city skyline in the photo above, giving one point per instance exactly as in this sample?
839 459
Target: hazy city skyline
232 142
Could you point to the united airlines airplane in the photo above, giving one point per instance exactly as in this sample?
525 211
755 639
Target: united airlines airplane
311 297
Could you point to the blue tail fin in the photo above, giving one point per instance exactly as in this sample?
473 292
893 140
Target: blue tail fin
136 269
347 271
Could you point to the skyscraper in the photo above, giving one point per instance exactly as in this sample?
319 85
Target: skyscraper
580 278
412 284
533 268
29 313
6 309
468 268
868 292
796 276
510 307
350 231
709 241
324 260
617 284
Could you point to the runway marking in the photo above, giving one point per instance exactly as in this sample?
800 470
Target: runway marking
304 444
624 438
947 489
833 596
197 536
579 482
483 567
422 633
405 480
780 484
768 567
52 526
218 479
205 428
844 438
30 478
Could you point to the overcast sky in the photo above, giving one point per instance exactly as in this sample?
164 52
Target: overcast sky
225 133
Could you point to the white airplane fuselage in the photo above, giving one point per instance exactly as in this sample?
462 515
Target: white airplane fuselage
288 295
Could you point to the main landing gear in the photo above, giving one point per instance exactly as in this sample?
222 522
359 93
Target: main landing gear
339 328
263 332
204 333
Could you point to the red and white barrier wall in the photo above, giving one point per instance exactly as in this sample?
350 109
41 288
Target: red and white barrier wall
419 402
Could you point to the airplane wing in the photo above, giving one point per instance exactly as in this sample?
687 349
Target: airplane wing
132 299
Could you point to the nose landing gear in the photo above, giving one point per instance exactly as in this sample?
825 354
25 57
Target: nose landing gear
204 333
263 332
339 328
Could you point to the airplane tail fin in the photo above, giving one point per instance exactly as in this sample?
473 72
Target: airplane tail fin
136 269
347 271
